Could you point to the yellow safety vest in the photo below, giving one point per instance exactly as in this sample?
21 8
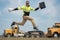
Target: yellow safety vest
26 9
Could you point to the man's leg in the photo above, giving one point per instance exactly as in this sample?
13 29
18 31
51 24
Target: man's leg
19 23
32 20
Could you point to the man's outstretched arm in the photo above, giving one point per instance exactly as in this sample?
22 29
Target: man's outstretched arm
36 8
13 9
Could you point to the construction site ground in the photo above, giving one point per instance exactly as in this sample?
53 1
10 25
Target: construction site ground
20 38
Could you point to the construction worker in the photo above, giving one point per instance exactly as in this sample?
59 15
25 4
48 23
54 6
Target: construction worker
26 9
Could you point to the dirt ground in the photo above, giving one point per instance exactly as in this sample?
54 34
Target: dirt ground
18 38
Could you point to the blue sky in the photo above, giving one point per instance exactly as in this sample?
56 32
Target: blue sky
44 18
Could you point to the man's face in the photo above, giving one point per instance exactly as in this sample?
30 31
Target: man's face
27 4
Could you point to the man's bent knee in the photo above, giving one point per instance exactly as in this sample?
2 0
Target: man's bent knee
22 24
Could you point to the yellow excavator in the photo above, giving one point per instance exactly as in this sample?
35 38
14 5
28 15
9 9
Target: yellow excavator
14 31
54 31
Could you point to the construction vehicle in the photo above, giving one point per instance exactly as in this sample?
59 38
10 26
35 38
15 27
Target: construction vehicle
34 34
14 31
54 31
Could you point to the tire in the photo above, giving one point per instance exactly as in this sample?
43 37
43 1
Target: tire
59 35
12 35
55 35
26 36
5 35
32 36
41 34
9 35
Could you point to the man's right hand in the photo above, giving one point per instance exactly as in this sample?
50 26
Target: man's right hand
10 9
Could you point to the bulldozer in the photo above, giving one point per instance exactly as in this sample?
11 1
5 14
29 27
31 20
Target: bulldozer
54 31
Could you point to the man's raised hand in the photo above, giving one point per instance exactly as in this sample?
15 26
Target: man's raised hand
10 9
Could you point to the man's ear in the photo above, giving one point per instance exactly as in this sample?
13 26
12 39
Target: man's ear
42 5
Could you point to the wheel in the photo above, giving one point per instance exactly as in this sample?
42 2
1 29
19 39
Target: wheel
35 36
8 35
32 36
5 35
55 35
27 36
41 34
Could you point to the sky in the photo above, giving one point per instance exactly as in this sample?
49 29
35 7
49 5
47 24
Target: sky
44 18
